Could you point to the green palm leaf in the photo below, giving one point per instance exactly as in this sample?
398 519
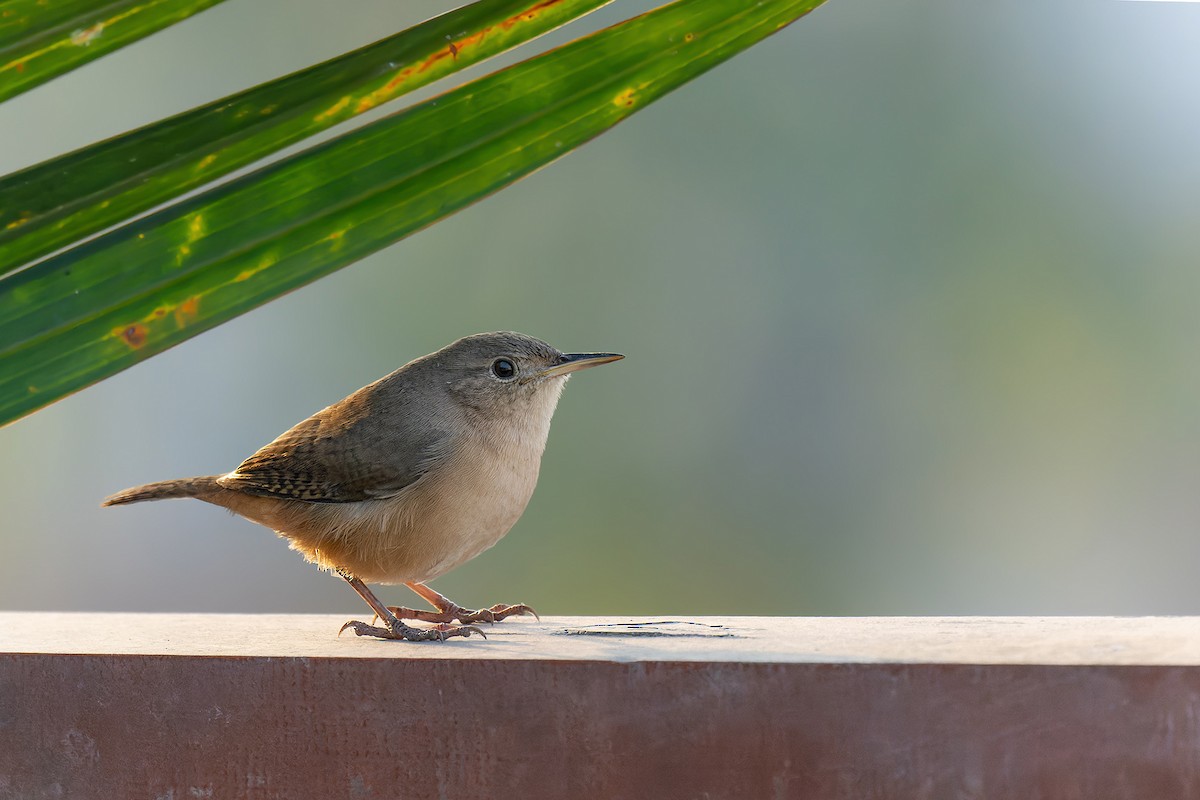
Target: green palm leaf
40 40
52 204
105 305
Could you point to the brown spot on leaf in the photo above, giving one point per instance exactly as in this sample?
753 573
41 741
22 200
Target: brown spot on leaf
134 335
187 311
529 14
625 98
398 79
434 59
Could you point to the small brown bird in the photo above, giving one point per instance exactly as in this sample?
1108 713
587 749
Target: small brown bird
408 477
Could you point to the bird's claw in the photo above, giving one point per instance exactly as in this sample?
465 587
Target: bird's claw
458 630
455 612
496 613
400 631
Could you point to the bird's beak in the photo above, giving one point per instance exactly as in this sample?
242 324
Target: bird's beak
573 362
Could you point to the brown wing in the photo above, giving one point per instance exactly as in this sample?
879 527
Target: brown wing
365 447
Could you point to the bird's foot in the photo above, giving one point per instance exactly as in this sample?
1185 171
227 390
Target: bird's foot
395 629
452 612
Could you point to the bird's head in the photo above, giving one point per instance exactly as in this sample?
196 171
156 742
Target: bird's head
506 373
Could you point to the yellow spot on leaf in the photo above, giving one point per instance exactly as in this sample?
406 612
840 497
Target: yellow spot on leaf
625 99
195 230
19 221
84 36
337 239
250 272
195 227
207 161
333 109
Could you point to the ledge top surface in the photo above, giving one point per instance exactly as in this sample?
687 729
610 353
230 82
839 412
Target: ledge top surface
1149 641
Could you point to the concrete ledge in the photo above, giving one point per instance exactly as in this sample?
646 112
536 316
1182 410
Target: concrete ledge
181 706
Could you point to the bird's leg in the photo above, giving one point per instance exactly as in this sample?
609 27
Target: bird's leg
395 628
449 611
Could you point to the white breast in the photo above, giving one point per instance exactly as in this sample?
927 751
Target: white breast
466 504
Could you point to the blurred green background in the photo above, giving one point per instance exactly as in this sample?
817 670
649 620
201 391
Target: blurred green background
909 293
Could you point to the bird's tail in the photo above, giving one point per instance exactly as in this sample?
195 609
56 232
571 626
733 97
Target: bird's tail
186 487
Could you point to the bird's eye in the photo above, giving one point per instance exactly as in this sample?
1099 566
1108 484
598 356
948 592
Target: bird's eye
503 369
